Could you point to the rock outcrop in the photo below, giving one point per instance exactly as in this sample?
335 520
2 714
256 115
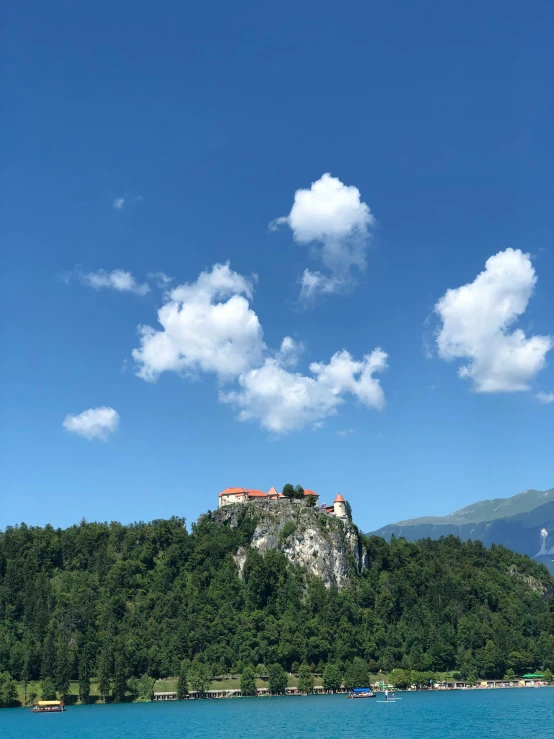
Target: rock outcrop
326 546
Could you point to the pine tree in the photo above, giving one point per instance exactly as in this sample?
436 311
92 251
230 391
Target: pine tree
84 677
105 668
48 657
120 678
182 683
62 670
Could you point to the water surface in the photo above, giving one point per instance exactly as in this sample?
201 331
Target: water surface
474 714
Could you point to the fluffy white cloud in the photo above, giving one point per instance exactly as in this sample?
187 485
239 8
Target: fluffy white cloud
285 401
118 279
334 215
94 423
545 398
476 321
118 203
207 326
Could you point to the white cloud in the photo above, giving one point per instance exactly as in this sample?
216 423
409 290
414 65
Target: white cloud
345 432
284 401
117 279
476 321
545 398
94 423
161 279
289 352
209 326
334 215
126 200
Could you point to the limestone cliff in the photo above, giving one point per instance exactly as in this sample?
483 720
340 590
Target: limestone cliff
327 547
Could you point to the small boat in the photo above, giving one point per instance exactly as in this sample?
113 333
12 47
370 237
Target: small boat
48 707
361 693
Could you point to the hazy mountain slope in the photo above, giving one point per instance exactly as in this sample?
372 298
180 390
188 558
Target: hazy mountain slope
488 510
529 532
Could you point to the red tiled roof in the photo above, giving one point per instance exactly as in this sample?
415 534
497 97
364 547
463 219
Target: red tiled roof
339 499
256 494
311 492
231 491
273 492
241 491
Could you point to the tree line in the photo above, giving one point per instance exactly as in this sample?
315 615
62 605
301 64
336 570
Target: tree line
124 605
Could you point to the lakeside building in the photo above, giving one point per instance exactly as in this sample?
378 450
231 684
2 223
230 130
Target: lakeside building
246 495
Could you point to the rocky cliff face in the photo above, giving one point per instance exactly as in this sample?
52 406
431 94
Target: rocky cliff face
325 546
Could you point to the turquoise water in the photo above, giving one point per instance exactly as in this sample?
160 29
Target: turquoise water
475 715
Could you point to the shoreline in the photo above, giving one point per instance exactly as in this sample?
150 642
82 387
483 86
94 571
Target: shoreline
467 689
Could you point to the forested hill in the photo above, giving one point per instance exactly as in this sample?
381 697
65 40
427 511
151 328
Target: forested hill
114 601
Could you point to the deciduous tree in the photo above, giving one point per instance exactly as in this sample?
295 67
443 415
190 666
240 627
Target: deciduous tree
305 679
277 678
248 682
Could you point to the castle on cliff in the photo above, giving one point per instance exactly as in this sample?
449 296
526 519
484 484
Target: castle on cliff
247 495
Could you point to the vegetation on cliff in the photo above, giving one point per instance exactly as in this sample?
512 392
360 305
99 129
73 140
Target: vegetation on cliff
115 603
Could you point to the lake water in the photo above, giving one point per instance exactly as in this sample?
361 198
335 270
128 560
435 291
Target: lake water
472 715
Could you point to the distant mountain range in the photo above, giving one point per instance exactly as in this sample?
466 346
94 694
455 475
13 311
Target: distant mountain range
523 523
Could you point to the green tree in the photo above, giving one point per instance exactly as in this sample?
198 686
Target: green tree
332 677
298 492
62 670
248 682
8 690
47 690
48 661
510 675
261 670
277 679
182 682
200 677
356 674
548 676
288 491
305 679
141 687
418 679
84 677
105 669
348 509
120 678
400 678
311 500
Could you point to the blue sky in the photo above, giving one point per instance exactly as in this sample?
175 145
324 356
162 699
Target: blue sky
168 139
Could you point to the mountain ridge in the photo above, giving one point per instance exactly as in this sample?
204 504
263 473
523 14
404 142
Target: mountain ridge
526 531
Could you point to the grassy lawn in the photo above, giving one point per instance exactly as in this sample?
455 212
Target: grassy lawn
169 684
34 687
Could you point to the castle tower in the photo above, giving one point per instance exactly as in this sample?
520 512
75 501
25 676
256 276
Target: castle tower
339 507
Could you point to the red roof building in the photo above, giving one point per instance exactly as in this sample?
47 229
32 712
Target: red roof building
311 492
243 495
239 495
